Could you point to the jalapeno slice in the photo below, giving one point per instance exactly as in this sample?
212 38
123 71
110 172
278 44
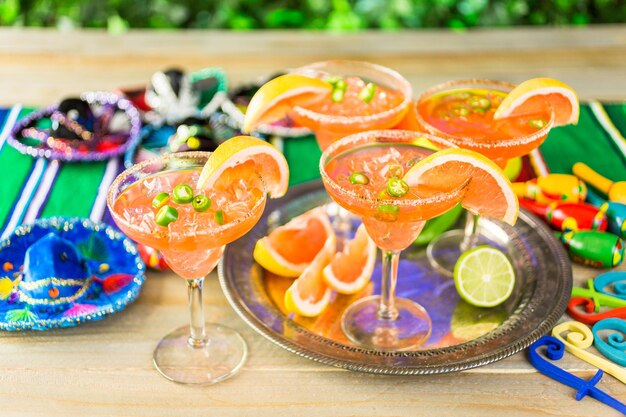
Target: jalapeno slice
219 217
359 178
182 194
160 200
537 123
201 203
367 93
397 187
166 215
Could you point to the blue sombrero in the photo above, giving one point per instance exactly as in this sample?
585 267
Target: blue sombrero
60 272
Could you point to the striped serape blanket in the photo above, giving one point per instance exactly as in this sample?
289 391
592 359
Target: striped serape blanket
33 188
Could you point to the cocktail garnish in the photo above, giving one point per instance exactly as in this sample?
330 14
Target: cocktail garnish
359 178
339 89
160 200
553 93
182 194
395 171
387 212
333 79
537 123
166 215
219 217
367 93
397 187
412 161
201 203
481 103
460 111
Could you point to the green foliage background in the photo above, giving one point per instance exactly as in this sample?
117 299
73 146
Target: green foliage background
337 15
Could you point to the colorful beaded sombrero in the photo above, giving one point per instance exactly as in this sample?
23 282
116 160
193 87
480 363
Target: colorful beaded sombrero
94 127
60 272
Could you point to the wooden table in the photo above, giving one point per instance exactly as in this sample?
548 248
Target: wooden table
105 368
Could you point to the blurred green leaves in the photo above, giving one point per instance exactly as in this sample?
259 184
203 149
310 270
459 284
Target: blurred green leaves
336 15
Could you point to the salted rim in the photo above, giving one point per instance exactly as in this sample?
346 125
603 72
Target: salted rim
466 140
114 189
394 136
320 67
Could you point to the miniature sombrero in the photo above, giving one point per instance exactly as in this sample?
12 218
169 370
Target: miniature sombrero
93 127
60 272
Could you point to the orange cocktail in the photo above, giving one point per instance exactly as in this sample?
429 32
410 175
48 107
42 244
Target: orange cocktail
363 97
363 174
462 112
158 203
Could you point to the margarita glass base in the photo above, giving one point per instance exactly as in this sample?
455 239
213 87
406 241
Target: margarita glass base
364 327
219 358
445 250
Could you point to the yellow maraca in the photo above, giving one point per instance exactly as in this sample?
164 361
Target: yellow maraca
615 190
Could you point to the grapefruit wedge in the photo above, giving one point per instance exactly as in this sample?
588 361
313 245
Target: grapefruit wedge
531 97
351 269
489 192
247 158
290 248
276 97
309 295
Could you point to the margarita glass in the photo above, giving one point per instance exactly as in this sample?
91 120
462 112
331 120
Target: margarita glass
356 172
462 113
365 96
192 244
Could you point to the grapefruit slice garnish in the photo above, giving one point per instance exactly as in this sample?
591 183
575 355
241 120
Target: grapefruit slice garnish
351 269
245 157
531 97
276 97
290 248
309 295
489 192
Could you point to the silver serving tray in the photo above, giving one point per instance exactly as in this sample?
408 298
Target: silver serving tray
543 287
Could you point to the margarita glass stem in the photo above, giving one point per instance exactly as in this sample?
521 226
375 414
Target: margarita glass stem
387 309
471 232
197 338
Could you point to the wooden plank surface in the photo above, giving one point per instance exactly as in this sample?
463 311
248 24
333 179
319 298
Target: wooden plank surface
105 369
40 66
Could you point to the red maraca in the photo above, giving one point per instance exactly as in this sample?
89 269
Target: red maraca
570 216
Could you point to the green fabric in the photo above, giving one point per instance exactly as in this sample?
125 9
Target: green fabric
14 169
75 189
586 142
11 185
303 155
617 113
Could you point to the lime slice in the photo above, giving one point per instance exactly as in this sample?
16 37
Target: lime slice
484 277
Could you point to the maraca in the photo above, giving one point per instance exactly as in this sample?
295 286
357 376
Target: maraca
615 190
616 213
552 187
570 216
593 248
